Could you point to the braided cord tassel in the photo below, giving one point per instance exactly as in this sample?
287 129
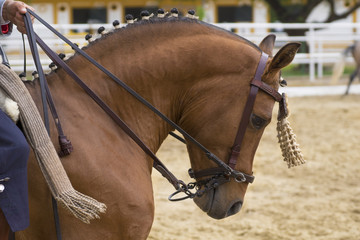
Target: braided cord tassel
289 147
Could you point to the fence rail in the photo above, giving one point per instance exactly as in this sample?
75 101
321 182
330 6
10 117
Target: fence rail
325 41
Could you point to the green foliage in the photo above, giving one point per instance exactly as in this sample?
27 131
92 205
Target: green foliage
303 70
200 12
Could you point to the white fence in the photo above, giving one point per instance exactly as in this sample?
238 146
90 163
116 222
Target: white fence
325 41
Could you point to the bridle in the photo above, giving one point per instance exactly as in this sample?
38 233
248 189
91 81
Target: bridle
219 175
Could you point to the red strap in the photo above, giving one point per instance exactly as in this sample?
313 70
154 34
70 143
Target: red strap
5 29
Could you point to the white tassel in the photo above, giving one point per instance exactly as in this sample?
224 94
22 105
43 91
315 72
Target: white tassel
289 147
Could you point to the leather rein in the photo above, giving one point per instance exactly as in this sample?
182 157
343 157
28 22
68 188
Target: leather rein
220 175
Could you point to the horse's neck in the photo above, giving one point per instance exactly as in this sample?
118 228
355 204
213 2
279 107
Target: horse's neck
162 70
150 128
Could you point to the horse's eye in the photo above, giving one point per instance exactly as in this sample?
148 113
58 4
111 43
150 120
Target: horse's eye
257 122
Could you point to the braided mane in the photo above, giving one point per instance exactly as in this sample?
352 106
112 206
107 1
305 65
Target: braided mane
141 26
150 20
168 19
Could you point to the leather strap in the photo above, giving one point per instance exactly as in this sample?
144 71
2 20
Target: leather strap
65 145
214 172
158 165
245 118
35 53
4 58
268 89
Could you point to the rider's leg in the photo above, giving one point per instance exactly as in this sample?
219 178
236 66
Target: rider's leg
14 153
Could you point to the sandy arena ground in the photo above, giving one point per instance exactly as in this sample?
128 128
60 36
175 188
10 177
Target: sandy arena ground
319 200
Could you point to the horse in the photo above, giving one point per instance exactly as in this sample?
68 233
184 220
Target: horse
338 69
355 51
196 74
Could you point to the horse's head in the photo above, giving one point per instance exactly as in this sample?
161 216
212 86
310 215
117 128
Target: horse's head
221 195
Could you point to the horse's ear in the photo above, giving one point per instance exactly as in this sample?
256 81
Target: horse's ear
267 44
284 56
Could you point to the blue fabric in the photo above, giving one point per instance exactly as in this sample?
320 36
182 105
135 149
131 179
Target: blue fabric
14 153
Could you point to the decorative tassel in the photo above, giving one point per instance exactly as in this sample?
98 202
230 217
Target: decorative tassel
289 147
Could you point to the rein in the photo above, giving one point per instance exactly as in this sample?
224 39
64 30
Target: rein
35 53
222 174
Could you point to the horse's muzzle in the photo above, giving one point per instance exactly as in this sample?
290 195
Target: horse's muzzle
216 207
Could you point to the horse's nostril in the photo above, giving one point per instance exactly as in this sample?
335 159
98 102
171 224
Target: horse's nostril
235 208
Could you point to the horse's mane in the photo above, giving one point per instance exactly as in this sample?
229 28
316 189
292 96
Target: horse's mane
157 20
153 21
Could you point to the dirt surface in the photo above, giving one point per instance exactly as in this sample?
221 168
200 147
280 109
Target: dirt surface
319 200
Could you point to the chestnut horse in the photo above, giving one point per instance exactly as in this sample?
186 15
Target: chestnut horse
197 75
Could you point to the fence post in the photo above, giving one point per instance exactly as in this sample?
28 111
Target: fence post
311 53
320 58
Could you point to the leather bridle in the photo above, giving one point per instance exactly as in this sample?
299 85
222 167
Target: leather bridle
220 175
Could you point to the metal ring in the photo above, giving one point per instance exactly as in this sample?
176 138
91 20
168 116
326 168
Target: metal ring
172 199
241 176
